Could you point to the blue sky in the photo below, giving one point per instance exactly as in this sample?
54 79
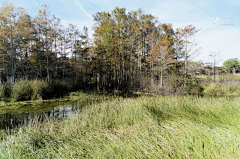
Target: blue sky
217 19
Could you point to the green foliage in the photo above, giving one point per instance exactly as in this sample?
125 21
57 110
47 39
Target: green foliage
38 89
232 63
78 93
22 90
193 86
6 90
29 90
59 88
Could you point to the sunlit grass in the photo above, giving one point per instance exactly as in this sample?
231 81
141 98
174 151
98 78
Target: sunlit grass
221 89
145 127
224 85
220 77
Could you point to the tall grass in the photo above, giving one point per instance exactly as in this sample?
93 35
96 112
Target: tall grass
37 89
220 78
145 127
29 90
6 90
223 85
222 88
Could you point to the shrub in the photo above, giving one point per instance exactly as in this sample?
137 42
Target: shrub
38 88
58 88
6 90
174 84
193 86
76 93
22 90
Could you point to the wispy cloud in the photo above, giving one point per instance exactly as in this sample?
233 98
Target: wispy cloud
78 3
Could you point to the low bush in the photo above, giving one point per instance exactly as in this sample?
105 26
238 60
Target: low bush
76 93
59 88
6 90
175 85
37 89
22 90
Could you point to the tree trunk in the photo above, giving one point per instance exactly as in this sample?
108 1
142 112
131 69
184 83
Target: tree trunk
161 77
41 70
131 71
12 59
151 67
185 64
48 77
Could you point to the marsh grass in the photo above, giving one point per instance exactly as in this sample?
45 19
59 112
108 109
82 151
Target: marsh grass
226 85
222 89
6 90
28 90
25 90
220 78
144 127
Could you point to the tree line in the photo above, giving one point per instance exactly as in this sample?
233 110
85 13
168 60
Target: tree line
128 50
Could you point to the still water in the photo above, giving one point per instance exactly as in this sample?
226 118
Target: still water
13 118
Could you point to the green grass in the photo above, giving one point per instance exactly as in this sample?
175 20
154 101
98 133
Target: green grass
25 90
220 77
145 127
229 89
227 85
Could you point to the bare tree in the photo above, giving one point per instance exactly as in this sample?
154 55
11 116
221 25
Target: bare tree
215 56
189 46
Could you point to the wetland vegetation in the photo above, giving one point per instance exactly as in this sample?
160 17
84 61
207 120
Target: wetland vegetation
145 127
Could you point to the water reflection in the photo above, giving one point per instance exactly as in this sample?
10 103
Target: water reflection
57 110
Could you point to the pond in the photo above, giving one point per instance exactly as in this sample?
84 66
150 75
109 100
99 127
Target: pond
13 117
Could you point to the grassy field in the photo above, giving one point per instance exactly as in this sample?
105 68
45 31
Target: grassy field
220 77
226 89
225 85
144 127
